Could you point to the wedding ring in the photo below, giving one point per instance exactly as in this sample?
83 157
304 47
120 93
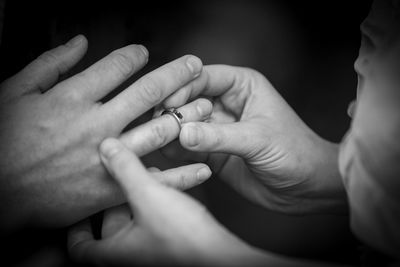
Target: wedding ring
175 114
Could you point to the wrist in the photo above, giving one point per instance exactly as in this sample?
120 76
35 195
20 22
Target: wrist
327 187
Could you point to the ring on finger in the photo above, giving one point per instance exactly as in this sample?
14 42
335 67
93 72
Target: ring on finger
175 114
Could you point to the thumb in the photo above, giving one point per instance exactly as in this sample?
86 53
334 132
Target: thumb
44 72
126 168
233 138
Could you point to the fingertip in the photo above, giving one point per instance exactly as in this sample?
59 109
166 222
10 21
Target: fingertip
190 135
194 64
144 50
77 41
203 174
110 147
84 42
77 46
204 107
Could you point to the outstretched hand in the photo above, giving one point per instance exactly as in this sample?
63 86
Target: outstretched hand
50 170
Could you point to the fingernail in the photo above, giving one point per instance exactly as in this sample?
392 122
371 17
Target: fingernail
144 50
75 41
203 174
194 64
109 147
192 134
204 108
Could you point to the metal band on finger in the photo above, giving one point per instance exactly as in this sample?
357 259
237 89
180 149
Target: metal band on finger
175 114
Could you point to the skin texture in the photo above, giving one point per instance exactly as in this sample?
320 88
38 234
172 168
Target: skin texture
370 153
50 172
259 145
276 161
168 227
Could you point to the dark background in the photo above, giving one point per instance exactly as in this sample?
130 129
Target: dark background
305 48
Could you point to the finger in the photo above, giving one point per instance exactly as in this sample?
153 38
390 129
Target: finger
184 177
162 130
129 172
231 83
105 75
174 151
187 92
82 246
45 71
115 219
151 89
217 79
233 138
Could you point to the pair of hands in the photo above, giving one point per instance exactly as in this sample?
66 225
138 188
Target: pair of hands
52 174
162 225
258 145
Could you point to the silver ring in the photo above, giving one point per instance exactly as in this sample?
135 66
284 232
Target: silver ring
175 114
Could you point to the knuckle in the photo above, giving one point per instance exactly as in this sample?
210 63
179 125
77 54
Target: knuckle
218 138
182 182
151 91
71 96
55 59
203 108
181 74
122 63
253 74
158 137
48 57
50 61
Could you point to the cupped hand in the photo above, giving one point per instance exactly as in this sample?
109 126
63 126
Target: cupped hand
259 145
168 227
50 170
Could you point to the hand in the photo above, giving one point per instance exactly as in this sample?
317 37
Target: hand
50 171
260 146
168 227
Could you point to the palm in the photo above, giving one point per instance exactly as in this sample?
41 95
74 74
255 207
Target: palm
267 170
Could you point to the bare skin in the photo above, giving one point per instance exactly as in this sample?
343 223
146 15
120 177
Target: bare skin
259 145
51 174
